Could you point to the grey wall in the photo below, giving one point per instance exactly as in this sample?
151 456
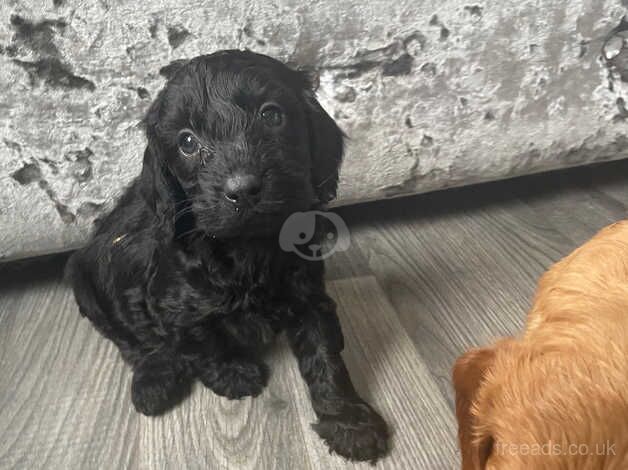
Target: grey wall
432 93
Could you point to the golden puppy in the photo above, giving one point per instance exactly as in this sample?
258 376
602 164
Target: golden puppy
556 398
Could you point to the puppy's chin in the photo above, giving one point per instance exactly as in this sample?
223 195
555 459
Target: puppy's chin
259 227
246 222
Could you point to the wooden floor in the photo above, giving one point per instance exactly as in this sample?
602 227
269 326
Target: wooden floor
425 278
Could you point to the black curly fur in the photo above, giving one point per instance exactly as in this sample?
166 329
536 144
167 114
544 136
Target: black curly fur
188 286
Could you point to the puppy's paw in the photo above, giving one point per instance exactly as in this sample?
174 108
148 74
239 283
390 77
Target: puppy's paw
236 378
159 383
358 433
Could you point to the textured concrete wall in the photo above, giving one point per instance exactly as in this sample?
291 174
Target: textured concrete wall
432 93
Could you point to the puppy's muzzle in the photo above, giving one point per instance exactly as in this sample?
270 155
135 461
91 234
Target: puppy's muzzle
243 189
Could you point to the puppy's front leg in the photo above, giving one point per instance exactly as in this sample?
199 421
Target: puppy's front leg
233 377
225 369
161 379
347 424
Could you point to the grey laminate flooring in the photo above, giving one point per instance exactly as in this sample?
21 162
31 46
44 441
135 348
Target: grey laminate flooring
425 278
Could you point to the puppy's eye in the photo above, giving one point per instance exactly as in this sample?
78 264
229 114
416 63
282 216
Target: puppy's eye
188 143
272 115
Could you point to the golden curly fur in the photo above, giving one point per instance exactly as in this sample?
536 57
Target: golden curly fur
557 397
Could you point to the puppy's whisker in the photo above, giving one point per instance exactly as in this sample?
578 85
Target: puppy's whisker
185 200
273 202
267 206
270 203
179 215
325 180
190 232
182 212
262 210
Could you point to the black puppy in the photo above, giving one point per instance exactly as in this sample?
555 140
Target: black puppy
186 275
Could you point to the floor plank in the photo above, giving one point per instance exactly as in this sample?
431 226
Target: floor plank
574 203
393 377
460 267
424 278
208 431
62 398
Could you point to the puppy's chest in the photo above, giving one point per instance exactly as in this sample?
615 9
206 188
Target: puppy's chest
257 292
187 289
261 285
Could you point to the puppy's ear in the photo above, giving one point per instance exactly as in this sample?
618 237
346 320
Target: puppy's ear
326 144
170 70
158 186
468 375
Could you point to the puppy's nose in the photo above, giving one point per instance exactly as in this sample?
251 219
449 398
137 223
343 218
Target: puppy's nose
241 188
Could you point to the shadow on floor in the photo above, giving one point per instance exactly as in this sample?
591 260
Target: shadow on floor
454 200
41 269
